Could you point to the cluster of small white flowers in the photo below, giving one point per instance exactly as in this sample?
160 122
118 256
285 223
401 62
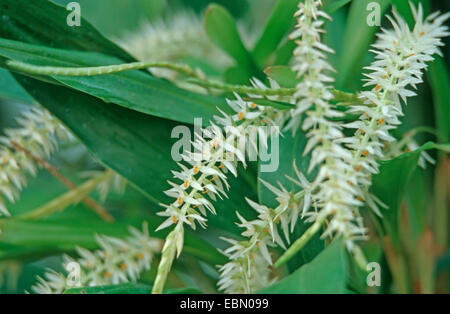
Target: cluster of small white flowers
216 153
172 39
117 261
401 57
38 134
248 268
333 189
250 261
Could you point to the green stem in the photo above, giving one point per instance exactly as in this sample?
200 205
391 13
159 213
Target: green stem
300 242
243 89
100 70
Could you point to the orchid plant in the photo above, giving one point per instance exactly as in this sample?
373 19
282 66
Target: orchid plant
347 193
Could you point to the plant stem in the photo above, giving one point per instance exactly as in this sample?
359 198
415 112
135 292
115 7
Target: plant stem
243 88
300 242
100 70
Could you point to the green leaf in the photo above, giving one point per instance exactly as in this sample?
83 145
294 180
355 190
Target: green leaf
58 235
283 75
416 196
222 30
137 146
440 82
331 6
290 150
389 185
63 235
284 53
11 90
279 24
135 90
357 38
44 22
127 288
327 273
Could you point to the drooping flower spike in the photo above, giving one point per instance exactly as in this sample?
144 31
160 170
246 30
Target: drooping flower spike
250 265
38 134
332 196
204 172
117 261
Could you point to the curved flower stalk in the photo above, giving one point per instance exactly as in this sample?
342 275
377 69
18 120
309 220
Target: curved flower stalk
116 262
249 268
205 173
38 134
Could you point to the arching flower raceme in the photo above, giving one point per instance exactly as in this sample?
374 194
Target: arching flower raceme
333 191
329 194
249 268
117 261
38 134
204 172
401 58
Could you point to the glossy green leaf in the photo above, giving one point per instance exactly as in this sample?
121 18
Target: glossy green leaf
44 22
222 30
327 273
283 75
357 39
331 6
390 184
279 24
11 90
440 81
135 90
63 235
284 53
127 288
